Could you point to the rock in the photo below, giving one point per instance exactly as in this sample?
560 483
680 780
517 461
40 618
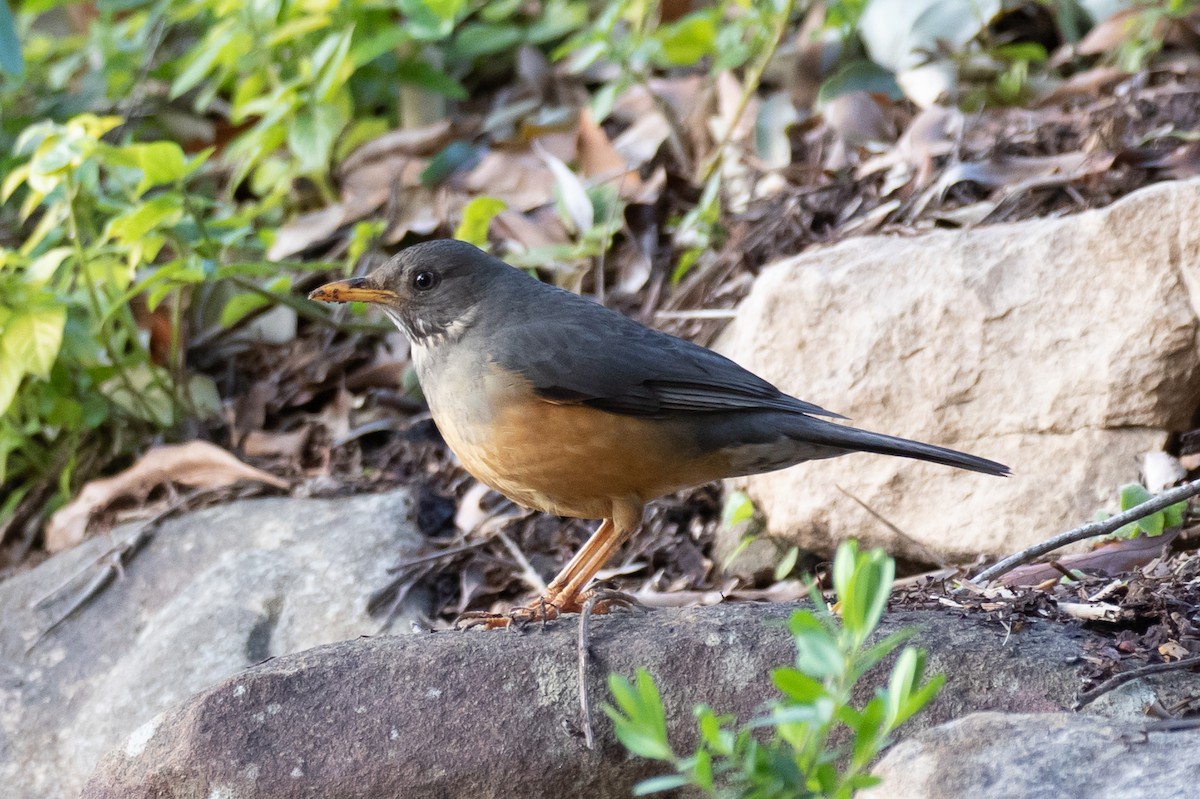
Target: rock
997 755
497 714
211 593
1063 347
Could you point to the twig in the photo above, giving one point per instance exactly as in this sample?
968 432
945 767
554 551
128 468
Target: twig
1100 611
925 551
528 573
1117 680
585 699
116 555
1092 530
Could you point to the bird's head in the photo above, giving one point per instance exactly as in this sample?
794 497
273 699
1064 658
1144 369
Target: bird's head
431 291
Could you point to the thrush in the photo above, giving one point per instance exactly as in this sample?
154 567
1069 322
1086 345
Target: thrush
568 407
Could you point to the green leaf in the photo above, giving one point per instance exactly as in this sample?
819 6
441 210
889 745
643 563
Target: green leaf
161 162
818 655
643 727
163 210
1133 495
870 732
312 134
332 64
11 60
239 306
785 566
420 73
738 508
797 686
297 28
45 265
687 40
475 40
476 217
32 339
1152 525
859 76
376 44
453 157
1173 514
11 373
203 57
430 19
667 782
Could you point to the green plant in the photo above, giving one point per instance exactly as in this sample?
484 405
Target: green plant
727 35
1135 494
114 222
814 741
1145 31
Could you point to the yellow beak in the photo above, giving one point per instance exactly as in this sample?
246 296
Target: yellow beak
352 290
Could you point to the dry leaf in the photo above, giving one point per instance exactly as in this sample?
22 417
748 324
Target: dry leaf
600 161
306 230
1173 650
196 464
263 444
1113 557
399 143
514 227
518 178
571 192
858 119
638 143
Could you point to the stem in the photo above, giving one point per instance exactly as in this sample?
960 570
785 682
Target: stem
749 87
1091 530
94 297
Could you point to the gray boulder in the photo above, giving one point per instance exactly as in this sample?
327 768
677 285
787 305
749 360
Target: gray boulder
210 594
497 714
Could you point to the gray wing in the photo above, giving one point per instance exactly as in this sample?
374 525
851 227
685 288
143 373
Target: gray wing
574 351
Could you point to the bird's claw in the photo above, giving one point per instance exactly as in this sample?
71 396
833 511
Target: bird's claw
542 609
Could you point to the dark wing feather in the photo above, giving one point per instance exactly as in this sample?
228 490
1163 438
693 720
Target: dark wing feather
574 351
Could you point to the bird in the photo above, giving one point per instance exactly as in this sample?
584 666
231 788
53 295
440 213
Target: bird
571 408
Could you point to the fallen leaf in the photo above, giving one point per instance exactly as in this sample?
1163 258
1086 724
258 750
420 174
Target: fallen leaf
1087 83
639 142
514 227
519 178
858 120
601 162
264 444
571 192
305 231
196 464
1110 558
1173 650
399 143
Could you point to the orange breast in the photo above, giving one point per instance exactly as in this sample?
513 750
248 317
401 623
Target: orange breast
572 460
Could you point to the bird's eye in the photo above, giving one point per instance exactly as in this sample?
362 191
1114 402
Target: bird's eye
425 280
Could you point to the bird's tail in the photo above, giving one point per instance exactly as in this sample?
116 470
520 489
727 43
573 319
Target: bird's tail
819 431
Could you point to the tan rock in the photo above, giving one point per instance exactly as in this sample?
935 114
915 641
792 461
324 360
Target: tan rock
1063 347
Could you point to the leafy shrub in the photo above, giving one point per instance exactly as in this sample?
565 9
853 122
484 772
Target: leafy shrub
813 742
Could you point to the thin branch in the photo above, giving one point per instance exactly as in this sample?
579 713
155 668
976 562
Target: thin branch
1116 681
1092 530
585 699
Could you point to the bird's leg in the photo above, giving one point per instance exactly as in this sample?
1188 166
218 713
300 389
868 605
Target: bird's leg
565 594
565 589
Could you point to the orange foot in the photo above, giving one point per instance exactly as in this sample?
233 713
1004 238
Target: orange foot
548 608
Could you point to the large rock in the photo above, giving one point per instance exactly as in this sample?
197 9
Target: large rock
490 715
997 756
1061 347
209 595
